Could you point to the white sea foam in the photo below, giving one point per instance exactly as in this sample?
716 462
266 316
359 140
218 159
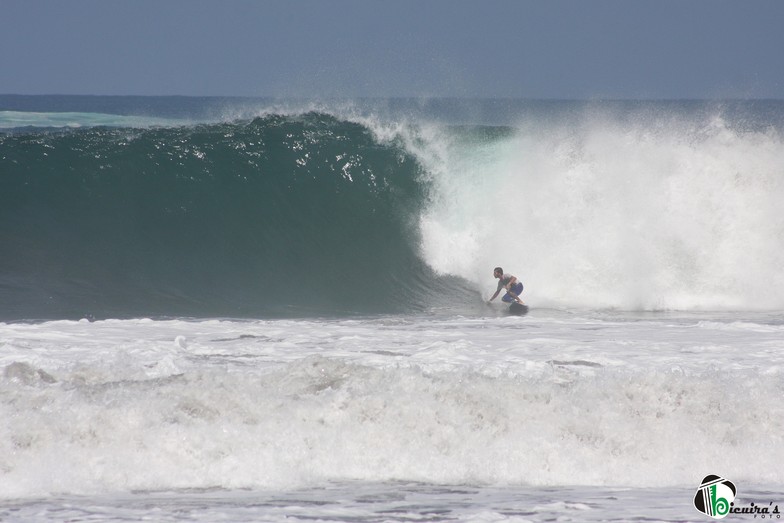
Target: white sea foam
650 213
551 399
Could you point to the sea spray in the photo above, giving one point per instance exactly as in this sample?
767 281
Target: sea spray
656 212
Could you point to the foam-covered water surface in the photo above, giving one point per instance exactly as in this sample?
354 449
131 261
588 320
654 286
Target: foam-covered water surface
554 399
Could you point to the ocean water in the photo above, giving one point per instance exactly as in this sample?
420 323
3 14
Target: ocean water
258 310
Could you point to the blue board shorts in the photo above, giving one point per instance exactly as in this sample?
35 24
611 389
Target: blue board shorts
517 288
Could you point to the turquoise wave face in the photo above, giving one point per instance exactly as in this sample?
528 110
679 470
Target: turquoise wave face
276 216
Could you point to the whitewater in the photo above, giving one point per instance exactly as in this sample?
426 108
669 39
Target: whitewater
267 310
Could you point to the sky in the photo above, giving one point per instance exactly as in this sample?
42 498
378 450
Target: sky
548 49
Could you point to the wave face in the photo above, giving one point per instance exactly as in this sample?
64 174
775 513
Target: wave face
280 215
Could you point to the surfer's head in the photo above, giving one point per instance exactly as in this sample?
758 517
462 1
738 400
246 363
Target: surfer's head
498 272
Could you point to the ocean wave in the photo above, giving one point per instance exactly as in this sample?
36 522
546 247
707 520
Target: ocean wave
343 211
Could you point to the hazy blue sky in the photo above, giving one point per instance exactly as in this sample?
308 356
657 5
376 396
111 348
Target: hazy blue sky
544 49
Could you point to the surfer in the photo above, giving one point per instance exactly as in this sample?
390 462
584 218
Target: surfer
506 281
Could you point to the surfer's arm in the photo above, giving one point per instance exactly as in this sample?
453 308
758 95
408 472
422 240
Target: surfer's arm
494 295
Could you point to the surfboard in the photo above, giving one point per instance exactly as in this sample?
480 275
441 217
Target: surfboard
518 308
